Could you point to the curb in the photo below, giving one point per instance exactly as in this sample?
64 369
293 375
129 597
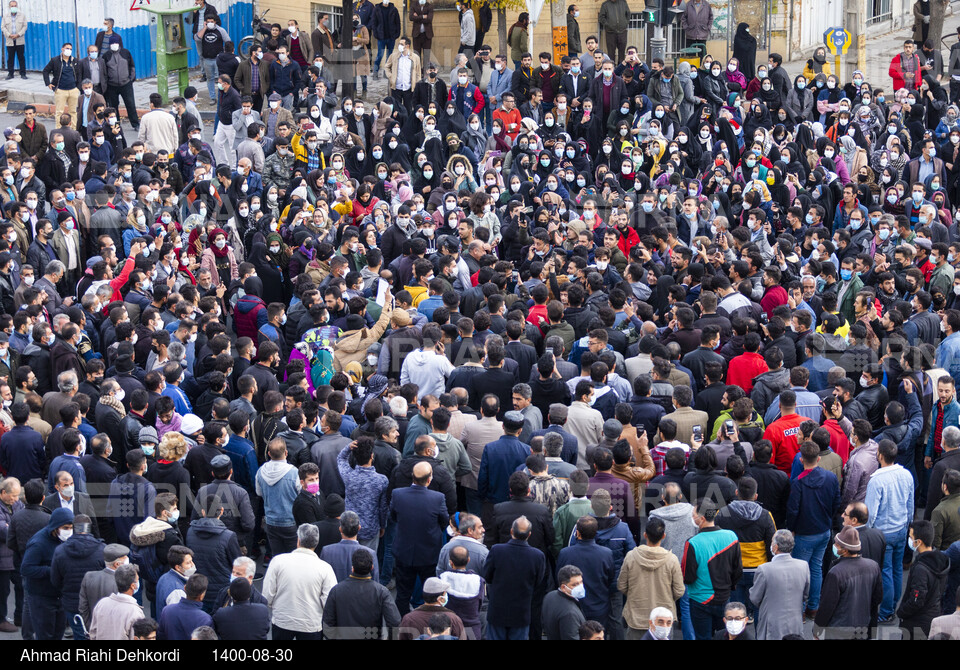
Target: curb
46 109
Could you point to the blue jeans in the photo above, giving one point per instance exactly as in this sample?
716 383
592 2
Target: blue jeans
382 45
707 619
892 573
210 69
507 633
686 623
741 593
810 548
386 545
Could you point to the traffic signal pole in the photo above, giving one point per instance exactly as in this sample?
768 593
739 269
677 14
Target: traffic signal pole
658 44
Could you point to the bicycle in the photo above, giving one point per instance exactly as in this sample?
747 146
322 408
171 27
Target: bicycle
259 27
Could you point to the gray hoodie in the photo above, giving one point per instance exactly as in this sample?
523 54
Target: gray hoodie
678 520
428 370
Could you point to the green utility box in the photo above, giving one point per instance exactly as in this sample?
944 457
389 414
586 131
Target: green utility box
172 50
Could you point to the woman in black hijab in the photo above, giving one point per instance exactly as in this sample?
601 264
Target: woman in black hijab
356 162
451 123
759 117
768 95
745 50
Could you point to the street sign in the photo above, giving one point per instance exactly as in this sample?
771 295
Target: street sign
837 40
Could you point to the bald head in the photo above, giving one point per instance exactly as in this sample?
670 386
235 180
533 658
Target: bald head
520 530
672 493
422 473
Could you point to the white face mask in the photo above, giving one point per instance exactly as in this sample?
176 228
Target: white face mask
735 627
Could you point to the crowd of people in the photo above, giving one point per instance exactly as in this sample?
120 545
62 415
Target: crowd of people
596 349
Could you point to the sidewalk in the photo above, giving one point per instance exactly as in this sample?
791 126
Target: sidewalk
19 92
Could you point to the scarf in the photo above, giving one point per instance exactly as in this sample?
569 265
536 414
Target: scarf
112 402
219 253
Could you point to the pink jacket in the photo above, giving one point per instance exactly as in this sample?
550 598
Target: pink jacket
209 262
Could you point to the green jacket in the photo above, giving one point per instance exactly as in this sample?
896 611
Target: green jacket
565 520
614 16
846 305
564 330
518 43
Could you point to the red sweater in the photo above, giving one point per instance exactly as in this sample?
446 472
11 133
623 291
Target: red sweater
744 368
784 434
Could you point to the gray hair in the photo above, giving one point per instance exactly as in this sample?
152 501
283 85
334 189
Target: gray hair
784 540
308 536
176 351
398 406
835 374
384 425
105 291
553 444
523 390
467 523
67 381
350 523
248 565
658 612
109 386
951 437
734 606
54 268
59 320
568 572
8 483
126 576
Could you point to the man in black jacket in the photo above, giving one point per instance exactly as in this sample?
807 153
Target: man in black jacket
358 604
925 584
773 486
199 460
521 504
308 505
238 514
851 594
562 616
121 72
215 546
243 620
425 450
494 380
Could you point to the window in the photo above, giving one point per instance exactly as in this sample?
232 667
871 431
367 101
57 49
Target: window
335 12
878 11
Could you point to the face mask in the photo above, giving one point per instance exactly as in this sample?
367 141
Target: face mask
662 632
65 534
360 156
458 170
578 592
735 627
463 82
845 274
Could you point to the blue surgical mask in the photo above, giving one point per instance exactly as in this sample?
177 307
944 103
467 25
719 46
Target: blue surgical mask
646 207
809 219
884 234
845 274
578 592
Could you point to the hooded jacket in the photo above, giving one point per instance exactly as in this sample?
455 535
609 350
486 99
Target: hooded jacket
215 548
678 526
925 585
249 316
80 554
814 499
35 568
278 484
352 346
650 577
427 370
754 528
767 386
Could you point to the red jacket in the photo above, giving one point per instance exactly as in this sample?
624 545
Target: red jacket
744 368
538 312
784 434
629 242
773 297
838 439
897 74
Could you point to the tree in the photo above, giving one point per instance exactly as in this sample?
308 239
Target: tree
937 11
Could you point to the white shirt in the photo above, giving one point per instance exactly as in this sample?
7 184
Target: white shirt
296 587
404 67
66 503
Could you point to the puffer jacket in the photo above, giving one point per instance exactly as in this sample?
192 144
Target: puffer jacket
249 316
6 553
754 528
650 577
215 548
159 534
73 559
352 347
35 568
